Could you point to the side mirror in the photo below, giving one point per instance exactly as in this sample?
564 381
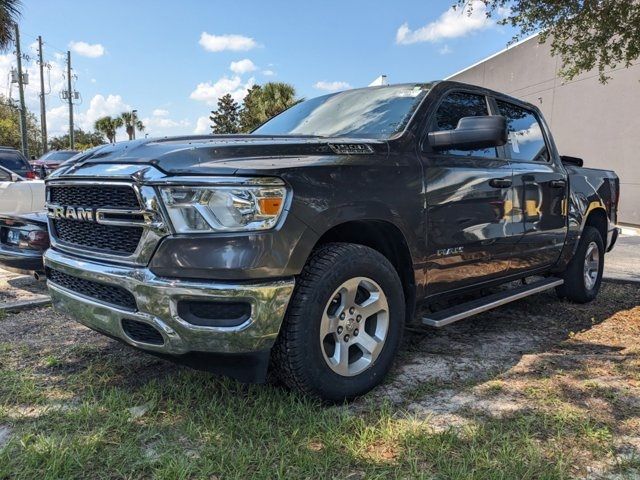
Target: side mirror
572 160
472 133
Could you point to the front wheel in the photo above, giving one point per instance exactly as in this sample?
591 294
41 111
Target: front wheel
583 275
343 325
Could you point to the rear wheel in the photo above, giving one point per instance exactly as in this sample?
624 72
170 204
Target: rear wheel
583 275
343 325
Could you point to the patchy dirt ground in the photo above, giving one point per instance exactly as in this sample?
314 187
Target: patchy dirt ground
539 353
576 364
15 287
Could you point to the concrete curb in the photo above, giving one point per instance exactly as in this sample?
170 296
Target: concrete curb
14 307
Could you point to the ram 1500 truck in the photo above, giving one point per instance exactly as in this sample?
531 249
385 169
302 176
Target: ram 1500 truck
306 246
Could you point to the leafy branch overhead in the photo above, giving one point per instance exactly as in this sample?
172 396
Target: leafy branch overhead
585 34
9 14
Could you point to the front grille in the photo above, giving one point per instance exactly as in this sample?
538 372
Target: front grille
141 332
108 239
94 196
119 240
111 294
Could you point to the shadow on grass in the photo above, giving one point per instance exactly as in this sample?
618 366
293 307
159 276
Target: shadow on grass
194 425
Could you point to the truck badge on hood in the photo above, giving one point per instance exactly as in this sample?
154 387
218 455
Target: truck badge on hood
351 148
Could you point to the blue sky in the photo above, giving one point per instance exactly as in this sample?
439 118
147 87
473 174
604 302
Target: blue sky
171 60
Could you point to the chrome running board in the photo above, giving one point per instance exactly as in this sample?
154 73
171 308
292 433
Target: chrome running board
453 314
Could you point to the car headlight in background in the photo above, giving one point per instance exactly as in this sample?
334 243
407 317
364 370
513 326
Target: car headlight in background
212 208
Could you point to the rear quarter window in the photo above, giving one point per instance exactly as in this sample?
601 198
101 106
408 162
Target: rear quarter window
13 161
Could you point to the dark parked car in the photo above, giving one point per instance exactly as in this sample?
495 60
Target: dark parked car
52 160
307 246
23 241
13 160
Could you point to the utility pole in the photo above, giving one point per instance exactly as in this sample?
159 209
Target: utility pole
23 111
43 110
70 98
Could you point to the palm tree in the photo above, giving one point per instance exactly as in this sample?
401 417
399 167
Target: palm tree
277 97
131 123
264 102
108 126
9 13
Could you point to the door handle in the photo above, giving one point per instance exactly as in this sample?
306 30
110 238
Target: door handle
500 182
557 183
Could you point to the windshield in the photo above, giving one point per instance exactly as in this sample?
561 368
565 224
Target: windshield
378 112
57 156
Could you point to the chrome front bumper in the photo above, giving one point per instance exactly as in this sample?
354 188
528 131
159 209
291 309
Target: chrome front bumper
157 300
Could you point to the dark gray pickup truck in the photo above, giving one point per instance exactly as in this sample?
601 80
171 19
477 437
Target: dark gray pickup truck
307 246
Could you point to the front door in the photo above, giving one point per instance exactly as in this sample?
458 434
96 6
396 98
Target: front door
469 204
540 190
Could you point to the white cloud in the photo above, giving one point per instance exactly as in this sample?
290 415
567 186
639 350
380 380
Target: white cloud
101 106
445 50
86 49
218 43
54 83
160 125
268 73
203 126
210 92
331 86
58 121
453 23
242 66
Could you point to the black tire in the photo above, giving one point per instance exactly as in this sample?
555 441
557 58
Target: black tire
299 354
576 287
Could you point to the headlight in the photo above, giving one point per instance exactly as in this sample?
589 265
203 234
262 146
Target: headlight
202 209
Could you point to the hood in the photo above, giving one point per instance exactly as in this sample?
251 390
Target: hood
37 218
226 154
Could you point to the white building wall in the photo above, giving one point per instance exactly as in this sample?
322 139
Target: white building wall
599 123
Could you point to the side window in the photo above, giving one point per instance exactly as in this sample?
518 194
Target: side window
526 141
5 176
456 106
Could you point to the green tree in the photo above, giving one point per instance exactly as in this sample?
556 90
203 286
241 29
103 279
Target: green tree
82 140
586 34
10 127
131 123
252 113
264 102
9 13
225 119
108 126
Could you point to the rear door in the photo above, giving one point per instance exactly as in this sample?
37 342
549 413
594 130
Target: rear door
469 200
540 190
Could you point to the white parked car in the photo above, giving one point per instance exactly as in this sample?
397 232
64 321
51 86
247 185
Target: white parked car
18 195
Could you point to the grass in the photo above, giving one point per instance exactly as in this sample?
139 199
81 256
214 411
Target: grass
79 406
198 427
